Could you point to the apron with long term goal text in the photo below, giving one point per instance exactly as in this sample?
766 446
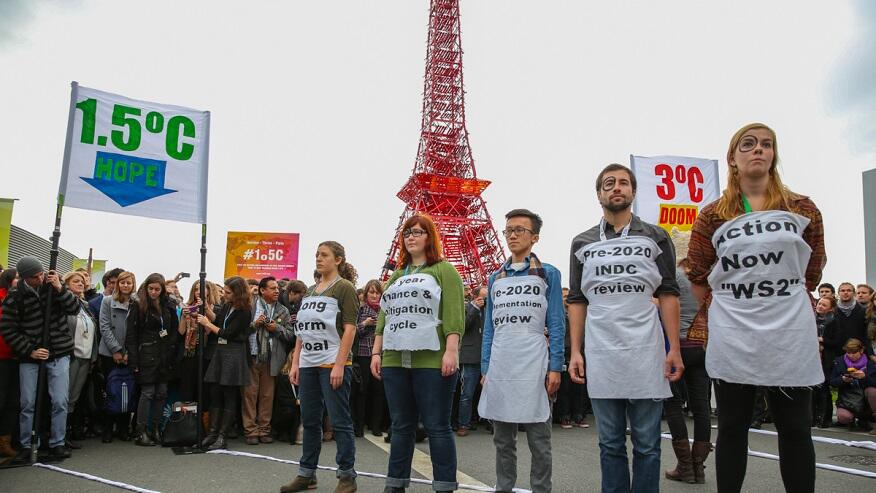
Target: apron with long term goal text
316 327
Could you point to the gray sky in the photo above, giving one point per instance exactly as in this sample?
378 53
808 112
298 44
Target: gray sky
316 109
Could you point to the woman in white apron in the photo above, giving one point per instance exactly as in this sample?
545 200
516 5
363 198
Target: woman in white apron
416 353
760 250
322 366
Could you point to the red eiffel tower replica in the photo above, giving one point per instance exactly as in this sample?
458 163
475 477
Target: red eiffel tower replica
444 183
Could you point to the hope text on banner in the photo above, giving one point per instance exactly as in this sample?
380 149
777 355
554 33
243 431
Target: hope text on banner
257 255
135 157
672 189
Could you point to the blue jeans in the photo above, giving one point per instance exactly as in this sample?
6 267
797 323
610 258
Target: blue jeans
611 422
58 372
471 376
423 393
316 395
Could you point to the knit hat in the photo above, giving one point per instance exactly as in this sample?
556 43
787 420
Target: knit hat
29 267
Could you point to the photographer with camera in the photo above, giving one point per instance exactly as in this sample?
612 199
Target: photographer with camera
22 327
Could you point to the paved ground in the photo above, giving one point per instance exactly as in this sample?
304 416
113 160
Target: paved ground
576 466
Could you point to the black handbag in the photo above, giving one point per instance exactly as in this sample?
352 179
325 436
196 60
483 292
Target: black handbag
852 399
182 428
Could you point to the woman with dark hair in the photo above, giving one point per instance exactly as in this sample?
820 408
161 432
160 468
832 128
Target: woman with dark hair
759 248
321 366
228 371
368 402
8 376
416 353
150 341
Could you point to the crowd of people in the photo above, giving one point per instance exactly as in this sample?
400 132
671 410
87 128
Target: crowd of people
651 324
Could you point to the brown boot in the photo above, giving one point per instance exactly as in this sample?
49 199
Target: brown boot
346 484
300 483
205 419
6 449
698 454
684 471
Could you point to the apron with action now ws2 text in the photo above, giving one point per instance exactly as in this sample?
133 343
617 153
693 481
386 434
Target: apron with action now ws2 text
624 351
316 327
410 305
761 322
514 387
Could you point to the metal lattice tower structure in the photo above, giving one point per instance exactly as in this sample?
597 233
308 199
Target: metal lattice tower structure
444 183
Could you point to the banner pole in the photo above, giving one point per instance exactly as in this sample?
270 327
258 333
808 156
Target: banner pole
202 287
36 429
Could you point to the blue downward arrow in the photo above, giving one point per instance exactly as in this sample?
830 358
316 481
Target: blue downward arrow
128 180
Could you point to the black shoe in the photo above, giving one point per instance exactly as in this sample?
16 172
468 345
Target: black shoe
219 443
756 425
377 433
72 445
387 438
23 457
59 452
156 435
107 436
359 431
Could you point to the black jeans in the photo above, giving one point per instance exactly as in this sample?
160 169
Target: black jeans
9 398
570 399
368 398
697 383
792 412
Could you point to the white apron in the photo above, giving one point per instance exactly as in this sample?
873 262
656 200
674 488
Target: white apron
761 322
316 327
410 305
514 390
623 340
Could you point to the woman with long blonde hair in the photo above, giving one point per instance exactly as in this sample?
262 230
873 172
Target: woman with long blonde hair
759 251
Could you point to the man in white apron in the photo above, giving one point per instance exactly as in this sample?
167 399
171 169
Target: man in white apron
616 270
521 368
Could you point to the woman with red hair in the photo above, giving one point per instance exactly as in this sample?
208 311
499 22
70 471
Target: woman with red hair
416 353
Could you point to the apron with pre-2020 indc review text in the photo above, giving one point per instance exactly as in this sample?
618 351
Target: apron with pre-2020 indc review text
761 322
410 305
316 327
623 340
514 387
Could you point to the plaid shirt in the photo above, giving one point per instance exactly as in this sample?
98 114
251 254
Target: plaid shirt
366 332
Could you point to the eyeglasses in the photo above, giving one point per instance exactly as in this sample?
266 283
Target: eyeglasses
517 230
748 143
416 233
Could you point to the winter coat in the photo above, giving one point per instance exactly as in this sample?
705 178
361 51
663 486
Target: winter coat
842 329
113 326
472 340
22 321
151 355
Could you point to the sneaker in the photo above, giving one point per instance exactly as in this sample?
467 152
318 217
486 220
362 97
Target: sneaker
252 440
59 452
346 484
266 439
566 424
581 423
300 483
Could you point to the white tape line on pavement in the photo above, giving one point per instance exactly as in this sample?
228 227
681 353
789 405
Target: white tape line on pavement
819 465
867 444
90 477
360 473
